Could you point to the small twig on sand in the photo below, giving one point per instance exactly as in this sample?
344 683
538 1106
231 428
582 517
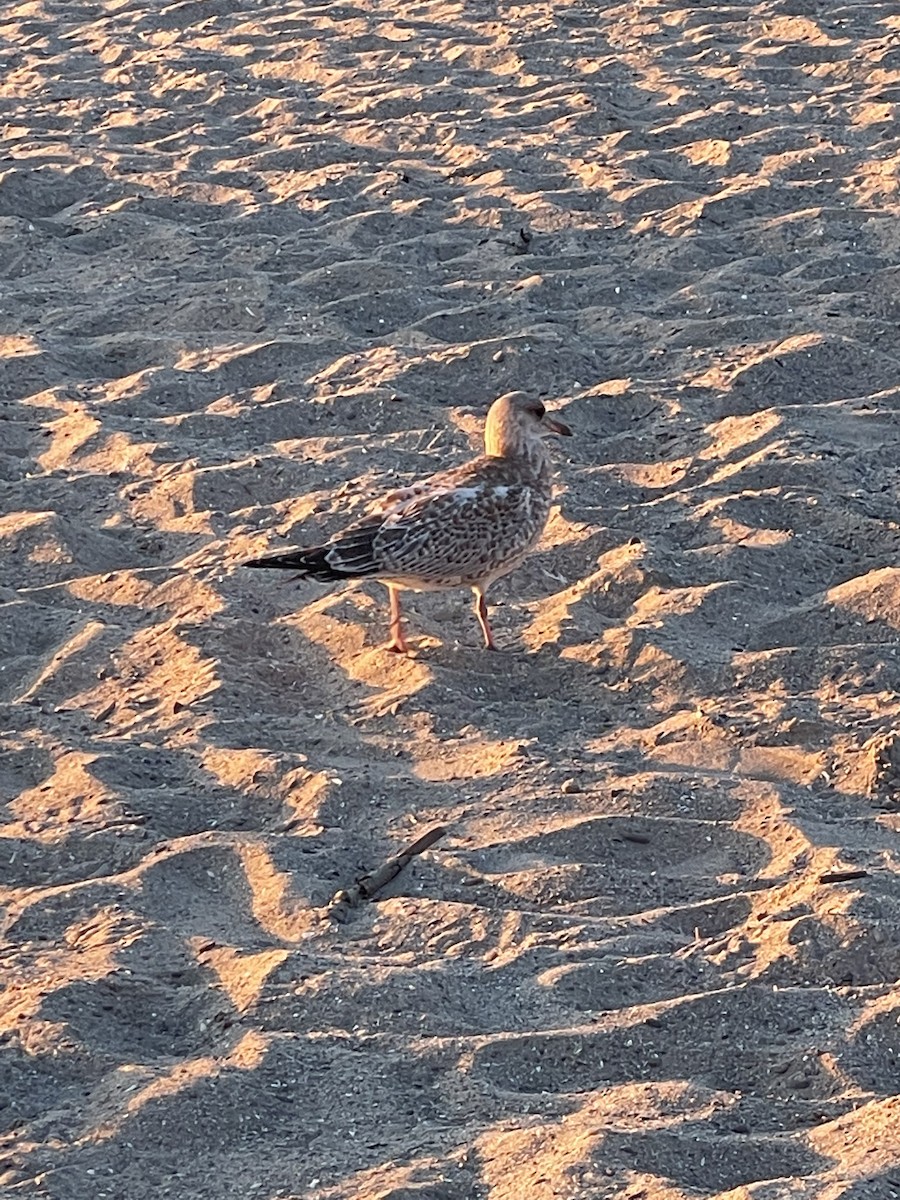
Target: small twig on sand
369 885
843 876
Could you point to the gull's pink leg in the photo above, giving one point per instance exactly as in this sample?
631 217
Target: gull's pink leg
397 644
481 612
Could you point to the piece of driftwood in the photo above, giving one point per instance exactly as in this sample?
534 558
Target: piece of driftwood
369 885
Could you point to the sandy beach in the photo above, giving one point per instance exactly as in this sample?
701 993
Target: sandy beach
260 261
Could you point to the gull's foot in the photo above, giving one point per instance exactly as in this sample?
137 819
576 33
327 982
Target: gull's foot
396 646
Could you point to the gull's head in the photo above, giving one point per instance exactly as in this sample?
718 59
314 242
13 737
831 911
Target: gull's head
517 423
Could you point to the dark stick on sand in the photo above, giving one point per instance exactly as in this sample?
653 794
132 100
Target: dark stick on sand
843 876
369 885
523 241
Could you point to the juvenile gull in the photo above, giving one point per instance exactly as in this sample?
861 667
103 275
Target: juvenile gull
464 527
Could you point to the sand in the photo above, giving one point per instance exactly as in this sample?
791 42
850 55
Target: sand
259 259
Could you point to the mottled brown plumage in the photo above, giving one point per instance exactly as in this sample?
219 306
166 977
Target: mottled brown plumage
464 527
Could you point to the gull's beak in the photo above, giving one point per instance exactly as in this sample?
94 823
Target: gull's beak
552 425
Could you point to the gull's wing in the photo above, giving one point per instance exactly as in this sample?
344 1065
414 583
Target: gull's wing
467 528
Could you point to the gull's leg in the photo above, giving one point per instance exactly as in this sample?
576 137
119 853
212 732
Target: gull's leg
397 644
481 612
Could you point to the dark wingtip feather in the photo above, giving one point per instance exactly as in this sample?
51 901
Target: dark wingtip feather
294 561
309 563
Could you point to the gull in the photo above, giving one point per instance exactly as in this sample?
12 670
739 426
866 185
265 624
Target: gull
464 527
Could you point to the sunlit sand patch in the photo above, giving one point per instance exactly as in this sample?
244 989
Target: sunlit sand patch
678 220
553 613
376 367
75 646
735 435
868 767
120 587
666 674
303 792
428 1169
586 1144
873 113
656 604
861 1144
184 596
723 377
273 901
158 675
622 595
116 452
71 795
239 768
537 1163
715 514
654 476
874 597
165 1083
43 533
308 800
169 513
690 740
746 535
16 345
89 953
356 640
243 975
472 758
552 617
16 522
713 152
879 1010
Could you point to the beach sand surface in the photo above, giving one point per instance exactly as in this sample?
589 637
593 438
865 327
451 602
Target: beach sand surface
258 261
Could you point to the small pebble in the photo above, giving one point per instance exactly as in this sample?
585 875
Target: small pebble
571 787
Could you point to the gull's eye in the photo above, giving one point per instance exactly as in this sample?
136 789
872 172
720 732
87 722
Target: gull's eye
539 411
